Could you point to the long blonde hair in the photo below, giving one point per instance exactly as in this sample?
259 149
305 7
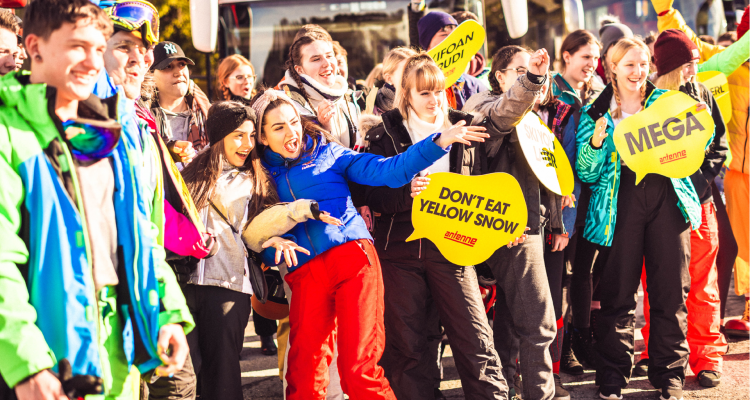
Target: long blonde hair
421 73
618 52
394 58
671 80
375 75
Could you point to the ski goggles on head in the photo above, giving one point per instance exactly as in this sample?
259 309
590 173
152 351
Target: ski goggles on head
91 140
132 15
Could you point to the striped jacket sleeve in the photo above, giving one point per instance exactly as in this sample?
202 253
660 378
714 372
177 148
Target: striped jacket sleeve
590 161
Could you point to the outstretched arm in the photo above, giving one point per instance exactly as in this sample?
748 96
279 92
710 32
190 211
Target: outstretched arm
730 59
510 108
670 18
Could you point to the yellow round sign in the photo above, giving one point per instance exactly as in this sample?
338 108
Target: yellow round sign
545 155
469 217
454 53
717 83
669 138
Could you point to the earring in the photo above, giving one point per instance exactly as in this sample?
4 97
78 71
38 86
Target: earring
37 57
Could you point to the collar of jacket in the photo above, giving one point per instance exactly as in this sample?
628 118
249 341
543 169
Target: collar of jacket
275 159
34 112
564 92
240 99
392 122
601 105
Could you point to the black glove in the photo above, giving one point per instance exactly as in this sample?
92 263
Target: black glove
80 385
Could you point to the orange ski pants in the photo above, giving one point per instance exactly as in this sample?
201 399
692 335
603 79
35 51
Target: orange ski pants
340 289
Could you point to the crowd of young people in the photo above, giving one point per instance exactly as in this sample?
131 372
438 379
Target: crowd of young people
136 215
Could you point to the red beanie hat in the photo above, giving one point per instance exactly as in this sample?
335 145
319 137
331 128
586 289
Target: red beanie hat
672 49
743 25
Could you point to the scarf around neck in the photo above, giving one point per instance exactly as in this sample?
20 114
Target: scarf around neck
420 130
385 97
316 90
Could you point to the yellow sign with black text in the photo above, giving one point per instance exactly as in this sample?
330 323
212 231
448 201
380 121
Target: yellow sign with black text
454 53
717 83
469 217
545 155
669 138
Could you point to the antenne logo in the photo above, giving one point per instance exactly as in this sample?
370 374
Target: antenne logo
170 48
459 238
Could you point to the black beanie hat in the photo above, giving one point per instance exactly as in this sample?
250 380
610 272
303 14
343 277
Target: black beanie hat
225 117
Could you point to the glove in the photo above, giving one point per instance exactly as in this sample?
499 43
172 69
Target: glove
662 6
80 385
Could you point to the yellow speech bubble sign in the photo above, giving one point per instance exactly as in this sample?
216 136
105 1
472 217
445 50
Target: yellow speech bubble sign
545 155
182 189
469 217
669 138
717 83
454 53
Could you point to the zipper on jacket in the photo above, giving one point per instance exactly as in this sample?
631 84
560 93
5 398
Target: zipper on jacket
286 175
612 194
84 226
388 237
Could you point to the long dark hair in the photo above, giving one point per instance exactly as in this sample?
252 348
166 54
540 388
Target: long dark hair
500 60
203 172
572 43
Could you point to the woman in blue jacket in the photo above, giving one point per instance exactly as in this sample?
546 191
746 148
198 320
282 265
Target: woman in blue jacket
339 283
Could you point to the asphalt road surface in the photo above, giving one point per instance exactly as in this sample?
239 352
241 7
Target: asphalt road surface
260 373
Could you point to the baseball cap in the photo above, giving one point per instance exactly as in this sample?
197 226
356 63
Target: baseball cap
166 52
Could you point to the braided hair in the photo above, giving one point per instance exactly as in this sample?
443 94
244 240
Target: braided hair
618 52
295 54
500 61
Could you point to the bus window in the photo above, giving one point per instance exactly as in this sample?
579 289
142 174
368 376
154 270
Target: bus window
262 31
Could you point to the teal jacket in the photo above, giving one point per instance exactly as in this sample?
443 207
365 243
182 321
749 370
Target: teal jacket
48 305
601 167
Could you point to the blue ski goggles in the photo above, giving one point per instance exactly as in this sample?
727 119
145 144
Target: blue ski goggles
91 139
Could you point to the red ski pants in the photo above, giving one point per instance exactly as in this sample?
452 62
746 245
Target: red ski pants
341 289
707 344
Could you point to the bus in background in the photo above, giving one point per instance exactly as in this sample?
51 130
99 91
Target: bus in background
553 19
262 30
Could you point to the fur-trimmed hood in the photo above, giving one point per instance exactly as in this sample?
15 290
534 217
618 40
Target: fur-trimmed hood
366 123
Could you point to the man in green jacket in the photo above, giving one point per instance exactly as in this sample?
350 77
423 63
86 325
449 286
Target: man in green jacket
85 291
